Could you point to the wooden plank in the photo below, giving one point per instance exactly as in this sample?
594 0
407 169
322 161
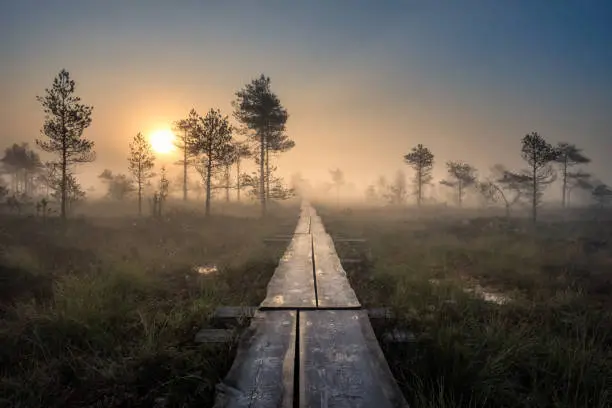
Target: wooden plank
351 240
333 287
262 374
316 225
292 285
351 261
380 313
279 240
279 237
341 363
231 315
303 225
215 336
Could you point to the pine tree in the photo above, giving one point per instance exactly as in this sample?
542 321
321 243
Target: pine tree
538 154
260 110
140 164
65 120
211 140
568 156
421 160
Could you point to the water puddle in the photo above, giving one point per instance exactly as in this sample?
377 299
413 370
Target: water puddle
480 292
487 296
205 269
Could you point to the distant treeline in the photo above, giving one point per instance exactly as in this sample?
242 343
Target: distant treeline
544 164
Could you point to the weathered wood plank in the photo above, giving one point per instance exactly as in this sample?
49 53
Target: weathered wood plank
262 374
303 225
279 240
215 336
230 315
333 287
316 225
351 261
292 285
351 240
341 363
380 313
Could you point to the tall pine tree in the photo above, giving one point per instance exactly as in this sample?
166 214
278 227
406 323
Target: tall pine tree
65 120
260 110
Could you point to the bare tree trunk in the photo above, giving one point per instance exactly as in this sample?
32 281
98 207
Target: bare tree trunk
267 172
534 201
139 195
262 185
238 179
208 176
64 164
419 187
185 167
227 183
64 183
563 199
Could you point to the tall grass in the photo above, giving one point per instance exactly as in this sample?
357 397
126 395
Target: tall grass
548 347
116 324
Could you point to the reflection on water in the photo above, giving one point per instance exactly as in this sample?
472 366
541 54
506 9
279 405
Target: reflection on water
495 298
481 292
205 269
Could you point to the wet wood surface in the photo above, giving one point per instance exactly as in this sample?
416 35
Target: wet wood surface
341 363
303 225
333 287
262 373
292 285
306 318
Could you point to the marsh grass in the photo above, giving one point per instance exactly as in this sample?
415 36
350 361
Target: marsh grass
102 312
550 346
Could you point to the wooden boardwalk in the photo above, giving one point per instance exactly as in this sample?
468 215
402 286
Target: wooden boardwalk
309 344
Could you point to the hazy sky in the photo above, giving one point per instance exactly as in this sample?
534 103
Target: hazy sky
363 81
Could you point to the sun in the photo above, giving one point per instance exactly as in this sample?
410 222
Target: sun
162 141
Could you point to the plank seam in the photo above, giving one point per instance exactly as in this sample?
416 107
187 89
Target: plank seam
296 363
314 270
309 308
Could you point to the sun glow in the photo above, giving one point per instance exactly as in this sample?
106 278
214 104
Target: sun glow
162 141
